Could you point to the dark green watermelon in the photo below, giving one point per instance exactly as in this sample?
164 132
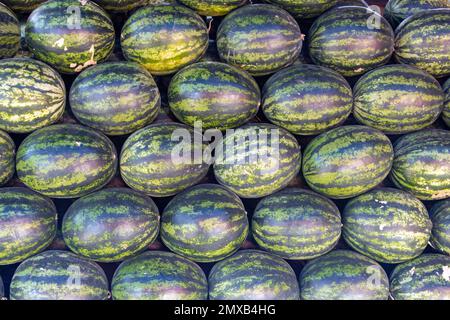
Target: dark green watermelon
59 275
111 225
7 157
343 275
159 275
304 9
23 5
350 41
422 164
27 224
9 32
213 7
397 99
259 38
432 55
440 234
347 161
70 35
396 11
219 95
116 98
446 113
307 99
296 224
253 275
424 278
164 38
66 161
344 3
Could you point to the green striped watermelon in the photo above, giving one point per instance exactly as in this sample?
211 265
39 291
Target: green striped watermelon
111 225
259 38
307 99
7 158
27 224
398 10
343 275
23 5
70 35
350 41
424 278
257 159
9 32
213 7
205 223
296 224
440 234
66 161
120 5
116 98
164 38
347 161
422 164
446 113
397 99
32 95
344 3
158 275
432 55
253 275
304 9
59 275
218 95
147 161
387 224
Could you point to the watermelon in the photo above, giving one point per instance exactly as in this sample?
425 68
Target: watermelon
446 113
253 275
432 55
116 98
70 35
347 161
9 32
111 225
159 275
424 278
66 161
397 99
120 5
149 159
23 5
256 160
259 38
213 7
7 157
218 95
296 224
422 164
164 38
32 95
396 11
305 9
59 275
307 99
344 3
386 224
350 41
204 223
343 275
27 224
440 234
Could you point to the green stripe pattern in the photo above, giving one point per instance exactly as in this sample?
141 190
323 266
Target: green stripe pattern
159 275
147 160
432 55
66 161
388 225
116 98
253 275
347 161
397 99
344 3
259 38
398 10
422 164
111 225
9 32
350 41
440 234
446 112
424 278
7 157
304 9
307 99
32 95
213 8
27 224
296 224
23 5
205 223
219 95
70 35
121 5
343 275
59 275
257 159
164 38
